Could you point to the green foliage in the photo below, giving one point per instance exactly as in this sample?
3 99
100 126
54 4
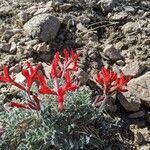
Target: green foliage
78 126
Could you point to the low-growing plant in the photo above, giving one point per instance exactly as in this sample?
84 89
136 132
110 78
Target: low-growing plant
34 122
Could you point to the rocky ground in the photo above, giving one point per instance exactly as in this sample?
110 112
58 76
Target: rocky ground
114 33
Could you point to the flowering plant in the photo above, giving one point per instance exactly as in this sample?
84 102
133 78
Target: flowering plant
74 126
110 84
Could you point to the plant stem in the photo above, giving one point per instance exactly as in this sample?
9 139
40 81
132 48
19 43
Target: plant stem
102 106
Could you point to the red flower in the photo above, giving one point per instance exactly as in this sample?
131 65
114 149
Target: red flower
7 78
69 86
43 88
109 81
64 89
14 104
30 75
55 66
70 63
58 90
120 83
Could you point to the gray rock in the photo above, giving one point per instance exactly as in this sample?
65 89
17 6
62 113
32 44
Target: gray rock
13 47
106 5
129 9
129 27
146 42
46 56
41 47
121 45
129 102
23 16
141 135
31 42
5 10
138 114
141 88
42 10
84 19
65 7
145 147
131 39
119 16
82 76
112 53
120 62
4 47
133 69
69 19
43 27
7 35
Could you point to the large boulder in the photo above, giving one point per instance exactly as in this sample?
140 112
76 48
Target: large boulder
141 88
43 27
133 69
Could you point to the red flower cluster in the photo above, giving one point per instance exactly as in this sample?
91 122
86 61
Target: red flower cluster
59 69
110 82
30 74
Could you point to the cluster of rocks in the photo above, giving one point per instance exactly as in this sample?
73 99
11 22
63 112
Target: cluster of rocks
114 33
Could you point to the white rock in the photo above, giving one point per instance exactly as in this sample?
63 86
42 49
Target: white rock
13 47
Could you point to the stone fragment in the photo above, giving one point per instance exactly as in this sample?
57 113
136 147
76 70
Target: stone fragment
7 35
42 10
129 27
119 16
69 19
133 69
140 134
43 27
13 47
106 5
84 19
146 42
145 147
5 10
112 53
65 7
138 114
31 42
23 16
4 47
141 88
129 102
82 76
129 9
121 45
41 47
120 62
